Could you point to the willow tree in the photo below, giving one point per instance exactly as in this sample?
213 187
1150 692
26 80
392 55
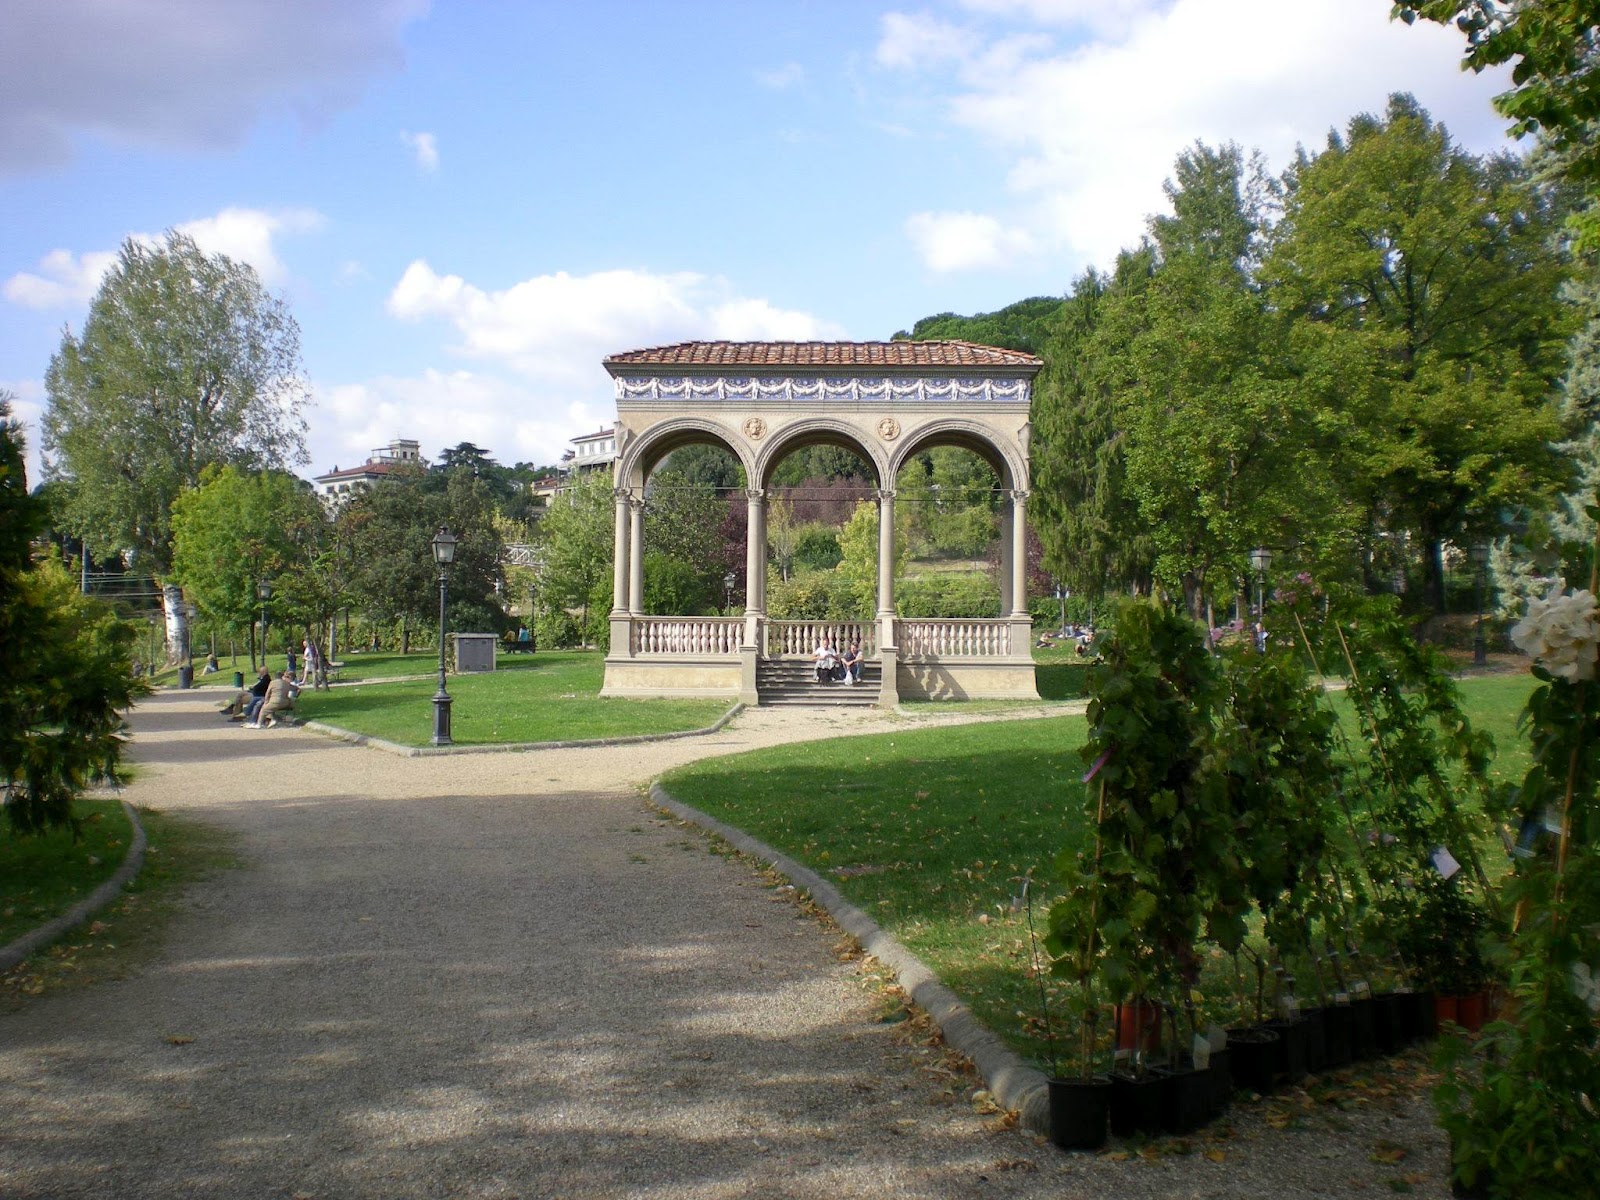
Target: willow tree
184 362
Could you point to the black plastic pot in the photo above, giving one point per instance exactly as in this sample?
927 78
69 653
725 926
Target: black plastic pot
1221 1081
1417 1016
1363 1030
1253 1058
1290 1065
1137 1103
1316 1040
1079 1109
1336 1036
1387 1023
1186 1105
238 679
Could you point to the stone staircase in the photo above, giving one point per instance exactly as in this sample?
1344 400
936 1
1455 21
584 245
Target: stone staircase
793 682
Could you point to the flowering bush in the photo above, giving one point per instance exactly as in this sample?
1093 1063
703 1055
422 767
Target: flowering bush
1562 633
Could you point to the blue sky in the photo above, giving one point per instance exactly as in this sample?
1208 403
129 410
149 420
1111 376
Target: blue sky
468 204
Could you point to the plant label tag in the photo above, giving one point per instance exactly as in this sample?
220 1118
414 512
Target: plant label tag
1361 989
1445 863
1202 1052
1218 1037
1342 999
1552 820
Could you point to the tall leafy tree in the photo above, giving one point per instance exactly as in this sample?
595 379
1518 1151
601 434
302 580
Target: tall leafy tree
1221 449
238 529
184 362
577 531
1431 275
1555 51
65 674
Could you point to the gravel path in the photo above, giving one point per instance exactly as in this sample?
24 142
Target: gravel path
505 976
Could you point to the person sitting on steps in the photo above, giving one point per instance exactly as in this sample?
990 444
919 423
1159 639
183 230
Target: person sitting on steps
826 659
852 662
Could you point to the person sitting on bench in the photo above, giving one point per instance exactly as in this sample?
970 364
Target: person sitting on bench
278 704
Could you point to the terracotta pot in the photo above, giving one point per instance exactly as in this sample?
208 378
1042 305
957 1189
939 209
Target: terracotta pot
1470 1011
1444 1008
1139 1026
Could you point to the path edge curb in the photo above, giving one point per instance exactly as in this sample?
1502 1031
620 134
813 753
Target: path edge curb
374 743
80 912
1014 1084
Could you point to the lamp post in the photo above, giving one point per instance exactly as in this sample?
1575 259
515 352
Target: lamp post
264 590
1261 563
444 553
728 581
1480 562
186 676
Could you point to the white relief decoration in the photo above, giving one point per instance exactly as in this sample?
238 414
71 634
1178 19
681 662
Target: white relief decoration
755 429
888 429
935 389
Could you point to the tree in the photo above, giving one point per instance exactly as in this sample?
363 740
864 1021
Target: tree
239 528
1556 51
577 533
391 527
65 670
184 362
1427 283
858 541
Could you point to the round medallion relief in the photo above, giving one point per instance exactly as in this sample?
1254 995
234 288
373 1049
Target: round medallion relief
755 429
888 429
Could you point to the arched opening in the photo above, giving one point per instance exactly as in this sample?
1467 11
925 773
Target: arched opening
818 484
694 532
953 508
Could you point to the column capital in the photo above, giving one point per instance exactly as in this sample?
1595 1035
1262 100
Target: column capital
622 493
755 495
636 502
884 493
1019 495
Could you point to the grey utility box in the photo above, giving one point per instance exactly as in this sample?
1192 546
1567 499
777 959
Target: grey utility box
474 652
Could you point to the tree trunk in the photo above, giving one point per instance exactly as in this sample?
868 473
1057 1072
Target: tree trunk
405 636
177 620
1433 573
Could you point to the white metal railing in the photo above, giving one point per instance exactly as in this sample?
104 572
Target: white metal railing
799 639
944 638
687 635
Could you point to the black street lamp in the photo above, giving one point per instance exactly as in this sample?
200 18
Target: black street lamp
728 581
264 590
444 553
1480 561
186 674
1261 563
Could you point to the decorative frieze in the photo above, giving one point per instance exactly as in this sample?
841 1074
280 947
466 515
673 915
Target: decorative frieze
713 389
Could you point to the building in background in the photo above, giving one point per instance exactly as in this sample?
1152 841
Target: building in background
336 487
591 452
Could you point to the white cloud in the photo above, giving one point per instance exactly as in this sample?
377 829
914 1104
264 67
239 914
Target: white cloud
780 79
64 280
425 148
1092 127
188 74
558 327
444 408
67 280
913 42
246 235
963 241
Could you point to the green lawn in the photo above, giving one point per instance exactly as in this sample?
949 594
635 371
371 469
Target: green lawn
932 831
548 697
43 876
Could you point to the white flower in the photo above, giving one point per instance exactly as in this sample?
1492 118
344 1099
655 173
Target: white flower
1562 633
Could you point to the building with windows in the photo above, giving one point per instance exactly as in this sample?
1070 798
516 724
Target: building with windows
592 452
336 487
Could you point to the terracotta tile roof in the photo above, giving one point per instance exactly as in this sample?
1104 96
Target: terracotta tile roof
371 468
824 354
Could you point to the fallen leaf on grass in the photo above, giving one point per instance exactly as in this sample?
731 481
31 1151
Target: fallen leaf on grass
983 1102
178 1039
1216 1155
1388 1152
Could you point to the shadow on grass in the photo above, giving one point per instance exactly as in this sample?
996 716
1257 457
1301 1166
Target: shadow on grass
1061 681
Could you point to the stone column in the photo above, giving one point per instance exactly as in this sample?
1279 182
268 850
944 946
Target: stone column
1005 560
636 556
619 552
755 564
1019 553
886 567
